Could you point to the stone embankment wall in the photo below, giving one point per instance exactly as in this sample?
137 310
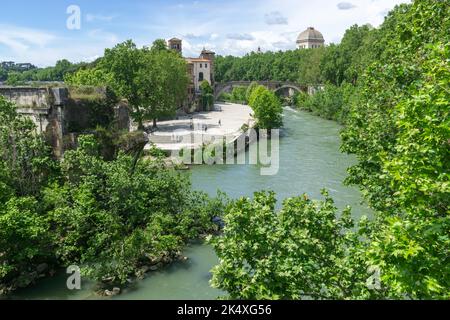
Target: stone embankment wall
59 116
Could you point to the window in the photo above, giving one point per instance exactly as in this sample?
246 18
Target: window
201 77
201 65
206 66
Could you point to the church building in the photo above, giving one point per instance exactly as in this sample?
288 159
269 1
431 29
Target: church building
310 39
200 69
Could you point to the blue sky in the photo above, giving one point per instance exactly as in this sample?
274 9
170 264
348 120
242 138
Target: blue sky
36 31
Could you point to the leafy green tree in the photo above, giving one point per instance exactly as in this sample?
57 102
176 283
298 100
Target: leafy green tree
24 240
267 108
88 77
171 83
399 131
345 62
250 90
153 81
238 94
3 74
333 102
207 97
26 161
114 222
301 252
26 166
124 63
14 79
159 45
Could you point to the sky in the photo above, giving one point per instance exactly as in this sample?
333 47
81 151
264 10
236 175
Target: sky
42 32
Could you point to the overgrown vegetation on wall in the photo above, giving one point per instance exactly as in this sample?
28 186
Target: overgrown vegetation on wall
114 218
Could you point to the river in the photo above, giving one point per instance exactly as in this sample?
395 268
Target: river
309 161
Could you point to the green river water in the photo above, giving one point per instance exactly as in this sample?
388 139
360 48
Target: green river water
309 161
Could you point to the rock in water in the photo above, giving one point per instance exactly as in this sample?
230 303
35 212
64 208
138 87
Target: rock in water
42 268
116 291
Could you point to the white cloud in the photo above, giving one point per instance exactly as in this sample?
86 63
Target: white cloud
244 32
226 28
99 34
240 37
19 39
90 17
345 6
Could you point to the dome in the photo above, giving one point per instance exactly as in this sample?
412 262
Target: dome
310 35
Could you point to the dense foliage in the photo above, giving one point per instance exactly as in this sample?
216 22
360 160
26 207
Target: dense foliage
207 96
154 81
50 74
390 86
267 108
111 217
400 132
330 102
302 251
296 66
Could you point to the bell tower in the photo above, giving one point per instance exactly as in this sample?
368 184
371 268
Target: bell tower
176 45
211 56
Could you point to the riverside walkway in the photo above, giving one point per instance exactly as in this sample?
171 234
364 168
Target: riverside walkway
191 131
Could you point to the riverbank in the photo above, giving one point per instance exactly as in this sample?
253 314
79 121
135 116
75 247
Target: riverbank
310 159
193 131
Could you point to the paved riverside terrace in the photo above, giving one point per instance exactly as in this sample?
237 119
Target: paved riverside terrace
191 131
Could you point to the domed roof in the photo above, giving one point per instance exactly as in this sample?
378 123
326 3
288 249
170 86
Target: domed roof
310 34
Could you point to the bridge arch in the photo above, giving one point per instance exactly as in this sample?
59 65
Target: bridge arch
274 86
289 86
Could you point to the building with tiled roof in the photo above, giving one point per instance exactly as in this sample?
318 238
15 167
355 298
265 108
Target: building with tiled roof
200 69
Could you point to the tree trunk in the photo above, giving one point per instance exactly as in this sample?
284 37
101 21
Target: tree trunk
140 126
155 123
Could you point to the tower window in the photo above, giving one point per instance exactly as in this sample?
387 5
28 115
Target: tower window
201 77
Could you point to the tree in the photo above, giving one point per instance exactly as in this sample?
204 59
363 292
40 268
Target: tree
159 45
239 94
24 240
25 159
88 77
3 74
301 252
124 62
267 108
26 166
153 81
14 79
207 95
346 62
114 223
250 90
171 81
399 131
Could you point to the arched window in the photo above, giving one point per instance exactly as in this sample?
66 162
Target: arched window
201 77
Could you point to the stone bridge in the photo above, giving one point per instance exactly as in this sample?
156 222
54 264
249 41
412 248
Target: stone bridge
275 86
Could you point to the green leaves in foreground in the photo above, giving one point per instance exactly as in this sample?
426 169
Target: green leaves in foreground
303 251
